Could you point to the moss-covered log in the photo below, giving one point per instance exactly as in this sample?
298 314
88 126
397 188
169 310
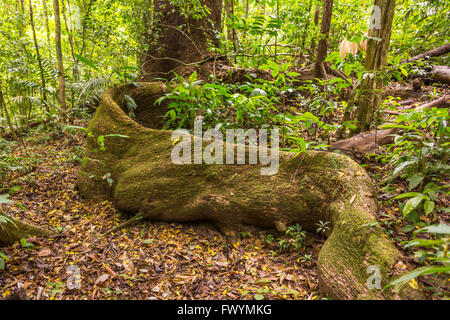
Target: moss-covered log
138 175
12 230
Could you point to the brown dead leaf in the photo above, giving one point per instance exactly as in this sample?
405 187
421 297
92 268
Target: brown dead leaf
101 279
44 252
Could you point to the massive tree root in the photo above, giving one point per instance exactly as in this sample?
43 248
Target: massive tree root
138 175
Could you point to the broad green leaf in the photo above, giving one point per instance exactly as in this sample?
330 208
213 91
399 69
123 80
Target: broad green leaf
402 166
440 229
25 244
404 72
408 228
258 296
424 243
408 195
400 282
86 61
412 203
428 207
415 180
4 199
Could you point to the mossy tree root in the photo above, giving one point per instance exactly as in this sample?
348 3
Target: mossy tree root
13 230
311 187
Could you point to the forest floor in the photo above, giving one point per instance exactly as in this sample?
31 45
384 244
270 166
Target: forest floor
145 261
152 260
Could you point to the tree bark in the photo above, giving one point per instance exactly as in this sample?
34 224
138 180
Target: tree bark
319 68
316 23
179 44
370 90
231 33
59 57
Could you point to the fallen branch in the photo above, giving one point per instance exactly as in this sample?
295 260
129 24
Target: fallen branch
442 102
125 224
336 73
429 54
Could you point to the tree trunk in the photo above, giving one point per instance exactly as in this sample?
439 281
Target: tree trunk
305 31
308 188
59 57
38 55
316 23
5 111
72 51
231 33
319 68
180 44
47 26
370 90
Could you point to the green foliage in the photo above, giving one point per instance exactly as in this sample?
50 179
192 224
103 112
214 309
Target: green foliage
419 158
295 238
434 253
322 227
3 259
419 155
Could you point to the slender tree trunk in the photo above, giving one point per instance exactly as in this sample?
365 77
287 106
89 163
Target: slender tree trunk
72 51
84 26
59 57
22 18
231 33
319 68
38 55
305 31
316 23
370 91
47 26
5 111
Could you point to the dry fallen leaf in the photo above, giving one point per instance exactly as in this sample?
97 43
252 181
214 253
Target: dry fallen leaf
102 278
44 252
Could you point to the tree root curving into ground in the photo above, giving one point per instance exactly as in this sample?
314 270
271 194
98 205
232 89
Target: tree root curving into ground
135 171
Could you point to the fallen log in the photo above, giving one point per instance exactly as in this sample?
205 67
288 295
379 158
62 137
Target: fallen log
369 142
311 187
366 142
441 74
429 54
28 126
